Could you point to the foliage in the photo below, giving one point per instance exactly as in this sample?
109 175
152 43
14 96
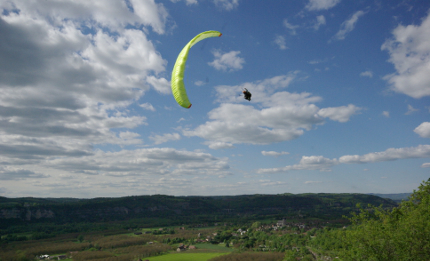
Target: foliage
402 233
250 256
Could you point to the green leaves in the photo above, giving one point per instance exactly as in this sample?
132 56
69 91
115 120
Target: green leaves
402 233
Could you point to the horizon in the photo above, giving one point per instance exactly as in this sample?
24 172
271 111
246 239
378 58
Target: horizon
376 194
340 97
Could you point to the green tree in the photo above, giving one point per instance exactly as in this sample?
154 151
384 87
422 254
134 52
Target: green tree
402 233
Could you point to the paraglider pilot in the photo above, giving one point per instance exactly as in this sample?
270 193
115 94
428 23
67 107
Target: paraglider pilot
247 95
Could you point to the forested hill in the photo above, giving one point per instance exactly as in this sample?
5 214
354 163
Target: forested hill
398 197
182 209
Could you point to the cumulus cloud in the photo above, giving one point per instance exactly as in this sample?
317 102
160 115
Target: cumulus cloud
320 21
188 2
347 26
324 164
274 153
425 165
161 85
340 114
312 182
284 116
66 82
147 162
158 139
423 130
367 74
12 173
316 5
130 138
259 127
147 106
227 61
409 50
411 110
227 4
280 42
218 145
421 151
115 15
306 163
290 26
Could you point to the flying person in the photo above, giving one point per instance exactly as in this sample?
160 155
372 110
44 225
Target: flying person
247 95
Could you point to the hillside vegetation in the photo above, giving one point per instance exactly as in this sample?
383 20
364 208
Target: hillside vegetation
240 228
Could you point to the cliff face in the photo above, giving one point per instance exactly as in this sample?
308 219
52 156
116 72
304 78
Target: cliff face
26 213
159 206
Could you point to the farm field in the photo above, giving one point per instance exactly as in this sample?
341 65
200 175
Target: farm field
186 256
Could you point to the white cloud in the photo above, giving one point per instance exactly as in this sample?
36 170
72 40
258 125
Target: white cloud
386 114
341 114
188 2
411 110
425 165
367 74
421 151
316 5
161 85
227 4
423 130
409 51
274 153
324 164
263 91
320 21
347 26
306 163
113 14
147 106
218 145
127 135
13 173
313 182
158 139
141 163
227 61
78 85
283 116
291 27
280 41
199 83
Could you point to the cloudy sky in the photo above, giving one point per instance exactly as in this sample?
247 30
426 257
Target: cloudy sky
341 97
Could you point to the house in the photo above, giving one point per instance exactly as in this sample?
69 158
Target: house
241 231
281 223
181 247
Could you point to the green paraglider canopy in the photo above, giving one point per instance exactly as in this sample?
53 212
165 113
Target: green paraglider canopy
177 81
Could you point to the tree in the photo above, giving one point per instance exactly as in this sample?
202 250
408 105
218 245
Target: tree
402 233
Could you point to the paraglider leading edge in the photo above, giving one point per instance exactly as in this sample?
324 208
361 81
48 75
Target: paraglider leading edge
177 80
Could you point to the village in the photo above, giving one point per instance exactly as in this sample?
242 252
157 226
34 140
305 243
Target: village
257 236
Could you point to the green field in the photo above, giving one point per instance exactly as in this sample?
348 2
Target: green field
211 248
185 257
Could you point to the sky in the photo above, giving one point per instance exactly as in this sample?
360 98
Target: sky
340 97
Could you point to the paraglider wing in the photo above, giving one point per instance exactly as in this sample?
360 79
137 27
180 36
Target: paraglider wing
177 81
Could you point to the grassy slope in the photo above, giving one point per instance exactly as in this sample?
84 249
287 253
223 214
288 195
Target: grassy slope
186 256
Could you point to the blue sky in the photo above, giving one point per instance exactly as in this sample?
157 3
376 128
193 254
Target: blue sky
340 97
